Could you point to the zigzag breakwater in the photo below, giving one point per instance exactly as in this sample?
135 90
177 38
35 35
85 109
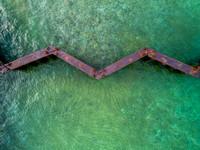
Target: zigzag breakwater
145 52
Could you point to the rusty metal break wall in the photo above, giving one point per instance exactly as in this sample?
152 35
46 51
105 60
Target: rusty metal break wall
52 50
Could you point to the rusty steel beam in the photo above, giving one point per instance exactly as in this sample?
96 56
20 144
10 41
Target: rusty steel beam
175 64
121 63
75 62
52 50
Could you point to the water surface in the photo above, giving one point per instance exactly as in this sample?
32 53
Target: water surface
142 106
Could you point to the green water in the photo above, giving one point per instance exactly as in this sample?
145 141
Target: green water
54 106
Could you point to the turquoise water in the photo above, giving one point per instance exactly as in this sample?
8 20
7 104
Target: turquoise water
142 106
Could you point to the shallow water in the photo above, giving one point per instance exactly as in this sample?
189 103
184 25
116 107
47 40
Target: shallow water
142 106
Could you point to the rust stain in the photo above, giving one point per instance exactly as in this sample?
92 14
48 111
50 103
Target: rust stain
194 71
143 54
66 58
164 60
94 72
180 65
130 60
151 53
56 49
103 75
